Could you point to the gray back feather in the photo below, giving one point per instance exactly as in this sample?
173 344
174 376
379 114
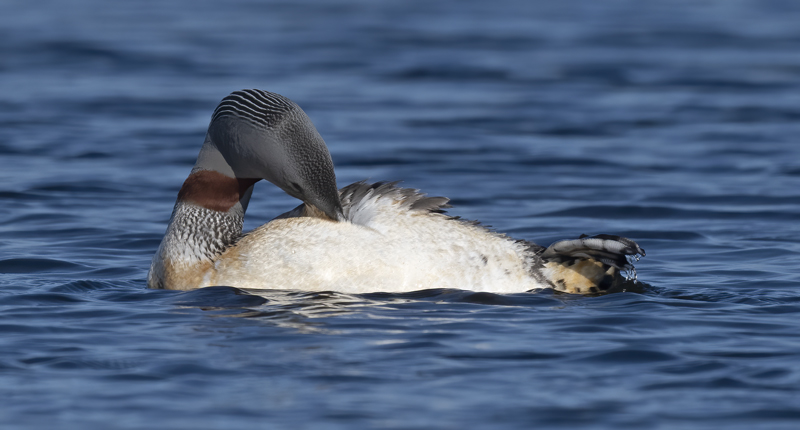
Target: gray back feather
409 198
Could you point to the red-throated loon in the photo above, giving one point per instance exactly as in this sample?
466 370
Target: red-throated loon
362 238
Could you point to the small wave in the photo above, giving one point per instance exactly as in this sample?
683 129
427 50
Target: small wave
629 356
38 265
217 298
665 212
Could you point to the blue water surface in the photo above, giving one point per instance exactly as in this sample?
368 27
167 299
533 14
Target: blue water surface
674 123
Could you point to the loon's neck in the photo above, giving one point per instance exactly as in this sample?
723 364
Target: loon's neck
207 218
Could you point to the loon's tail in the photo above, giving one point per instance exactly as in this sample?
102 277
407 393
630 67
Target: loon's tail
590 264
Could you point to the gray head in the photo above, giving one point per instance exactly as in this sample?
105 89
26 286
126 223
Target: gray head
261 135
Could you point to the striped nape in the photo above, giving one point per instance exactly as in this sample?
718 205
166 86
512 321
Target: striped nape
260 108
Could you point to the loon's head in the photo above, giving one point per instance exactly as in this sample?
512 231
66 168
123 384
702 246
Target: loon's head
256 135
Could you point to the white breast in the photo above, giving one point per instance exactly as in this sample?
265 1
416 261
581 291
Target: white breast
389 249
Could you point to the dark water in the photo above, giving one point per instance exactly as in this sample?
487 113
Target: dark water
674 123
